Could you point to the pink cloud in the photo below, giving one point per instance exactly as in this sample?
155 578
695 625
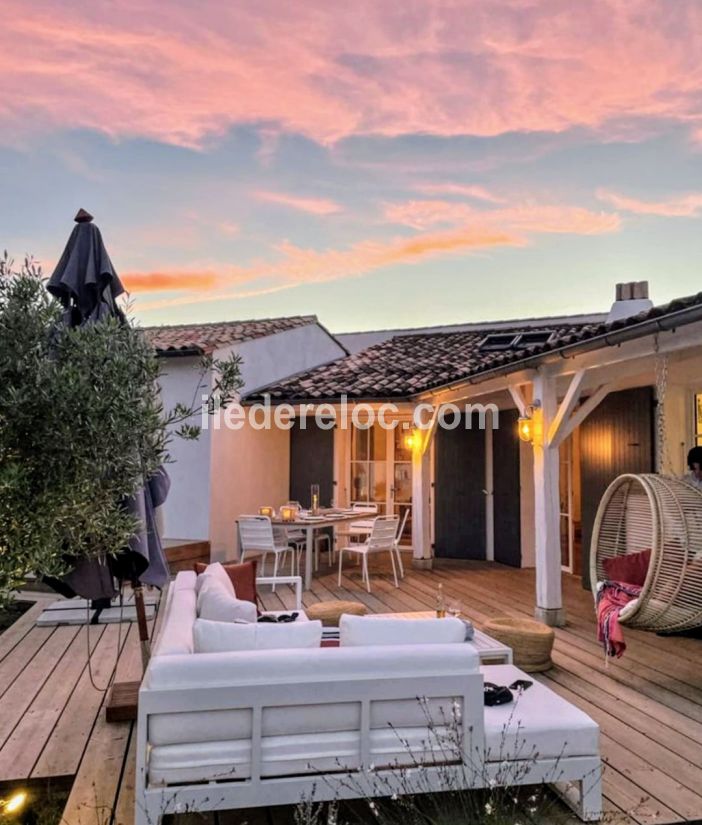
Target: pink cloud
186 73
297 265
167 281
468 230
315 206
683 206
524 218
461 190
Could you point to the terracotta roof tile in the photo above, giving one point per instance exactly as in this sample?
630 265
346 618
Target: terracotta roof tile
406 365
205 338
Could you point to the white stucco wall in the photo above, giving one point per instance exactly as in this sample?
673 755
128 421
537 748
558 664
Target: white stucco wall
251 467
187 509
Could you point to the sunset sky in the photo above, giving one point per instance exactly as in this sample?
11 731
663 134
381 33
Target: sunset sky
379 163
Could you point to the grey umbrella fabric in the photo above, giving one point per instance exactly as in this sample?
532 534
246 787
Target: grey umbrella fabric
87 285
84 279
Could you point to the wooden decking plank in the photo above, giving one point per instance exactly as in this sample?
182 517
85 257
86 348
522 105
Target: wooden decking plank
640 759
124 806
29 682
21 655
22 748
652 666
64 749
681 741
94 790
14 634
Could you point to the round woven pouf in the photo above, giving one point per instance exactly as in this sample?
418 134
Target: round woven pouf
329 613
531 641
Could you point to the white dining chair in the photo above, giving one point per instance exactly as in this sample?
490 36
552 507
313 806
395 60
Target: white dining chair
382 538
257 537
362 528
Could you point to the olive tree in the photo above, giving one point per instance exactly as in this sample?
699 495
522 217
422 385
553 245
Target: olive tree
81 426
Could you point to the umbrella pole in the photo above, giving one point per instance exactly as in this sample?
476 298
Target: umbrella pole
141 623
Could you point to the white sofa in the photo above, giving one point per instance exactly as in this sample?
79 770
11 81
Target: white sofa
267 727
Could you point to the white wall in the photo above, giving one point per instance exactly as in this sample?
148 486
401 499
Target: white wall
187 509
279 356
251 468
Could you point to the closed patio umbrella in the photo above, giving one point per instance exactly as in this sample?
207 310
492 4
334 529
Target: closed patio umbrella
87 285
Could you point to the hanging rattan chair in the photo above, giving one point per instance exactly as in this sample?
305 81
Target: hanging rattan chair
663 514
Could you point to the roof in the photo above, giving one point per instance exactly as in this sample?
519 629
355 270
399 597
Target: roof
204 339
361 339
407 365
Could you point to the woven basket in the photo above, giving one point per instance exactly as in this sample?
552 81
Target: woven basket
531 641
329 613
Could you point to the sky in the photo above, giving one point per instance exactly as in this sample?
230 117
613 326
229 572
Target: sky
381 163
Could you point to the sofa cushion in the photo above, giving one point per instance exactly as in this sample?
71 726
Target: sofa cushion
539 722
242 577
292 755
630 569
176 634
219 604
309 665
217 572
221 637
373 631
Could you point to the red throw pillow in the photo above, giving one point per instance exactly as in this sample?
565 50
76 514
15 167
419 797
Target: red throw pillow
629 569
243 577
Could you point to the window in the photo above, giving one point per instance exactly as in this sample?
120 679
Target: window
528 339
499 341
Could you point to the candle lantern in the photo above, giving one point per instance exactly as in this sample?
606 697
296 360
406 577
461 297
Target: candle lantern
266 511
288 512
314 490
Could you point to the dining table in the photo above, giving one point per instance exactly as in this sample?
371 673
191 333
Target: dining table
310 523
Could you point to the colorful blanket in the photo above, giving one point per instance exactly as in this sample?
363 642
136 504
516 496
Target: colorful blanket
612 597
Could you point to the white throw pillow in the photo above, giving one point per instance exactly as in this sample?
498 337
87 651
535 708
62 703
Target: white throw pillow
217 572
218 604
372 631
223 637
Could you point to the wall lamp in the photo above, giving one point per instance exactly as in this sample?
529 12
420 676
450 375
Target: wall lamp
525 424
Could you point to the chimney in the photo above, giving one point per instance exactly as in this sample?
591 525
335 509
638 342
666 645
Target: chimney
631 298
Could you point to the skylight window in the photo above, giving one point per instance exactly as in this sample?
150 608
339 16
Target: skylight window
527 339
500 341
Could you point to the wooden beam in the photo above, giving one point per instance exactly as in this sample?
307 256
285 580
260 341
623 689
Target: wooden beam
519 398
582 412
428 434
566 407
466 391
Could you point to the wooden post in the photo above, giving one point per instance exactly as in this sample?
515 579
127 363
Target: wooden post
422 553
421 508
141 623
549 601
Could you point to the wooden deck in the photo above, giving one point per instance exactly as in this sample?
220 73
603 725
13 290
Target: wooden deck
649 704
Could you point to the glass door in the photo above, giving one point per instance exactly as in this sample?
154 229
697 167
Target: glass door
401 491
381 473
369 477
